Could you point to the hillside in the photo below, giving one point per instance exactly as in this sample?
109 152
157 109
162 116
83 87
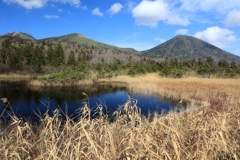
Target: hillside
80 39
179 47
73 38
19 35
77 43
73 57
188 47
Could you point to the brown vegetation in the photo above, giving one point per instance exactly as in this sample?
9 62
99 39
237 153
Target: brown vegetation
202 90
16 77
37 83
209 131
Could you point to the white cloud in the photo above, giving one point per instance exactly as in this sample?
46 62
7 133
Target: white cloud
160 39
115 8
233 18
84 7
75 3
151 12
175 19
30 4
216 36
181 32
97 12
51 16
222 6
130 5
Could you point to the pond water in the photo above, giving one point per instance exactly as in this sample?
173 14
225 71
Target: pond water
26 100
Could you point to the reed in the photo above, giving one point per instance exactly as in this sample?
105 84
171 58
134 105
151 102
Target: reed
209 131
17 77
196 90
36 83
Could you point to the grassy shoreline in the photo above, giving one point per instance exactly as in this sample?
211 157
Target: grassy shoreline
17 77
192 89
209 131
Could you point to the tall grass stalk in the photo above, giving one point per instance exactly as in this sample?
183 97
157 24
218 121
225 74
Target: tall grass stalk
198 133
209 131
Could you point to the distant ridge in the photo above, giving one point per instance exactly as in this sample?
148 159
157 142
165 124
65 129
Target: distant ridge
19 35
188 47
73 38
179 47
76 38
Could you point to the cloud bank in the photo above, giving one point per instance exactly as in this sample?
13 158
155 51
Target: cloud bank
233 18
149 13
221 6
30 4
216 36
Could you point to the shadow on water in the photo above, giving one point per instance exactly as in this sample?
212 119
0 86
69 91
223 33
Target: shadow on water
24 99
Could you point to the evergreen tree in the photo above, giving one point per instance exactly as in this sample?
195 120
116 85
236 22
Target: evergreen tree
38 57
81 57
222 63
233 65
14 61
210 61
200 62
6 51
71 59
50 56
27 51
59 57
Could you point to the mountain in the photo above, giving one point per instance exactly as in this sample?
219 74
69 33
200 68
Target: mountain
73 38
188 47
180 47
19 35
76 38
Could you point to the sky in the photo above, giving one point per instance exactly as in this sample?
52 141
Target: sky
138 24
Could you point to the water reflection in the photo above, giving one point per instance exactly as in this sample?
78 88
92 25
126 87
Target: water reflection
25 99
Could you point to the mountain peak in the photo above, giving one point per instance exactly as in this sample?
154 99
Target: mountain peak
187 47
20 35
75 34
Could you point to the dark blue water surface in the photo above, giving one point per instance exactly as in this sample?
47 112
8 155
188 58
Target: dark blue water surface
25 99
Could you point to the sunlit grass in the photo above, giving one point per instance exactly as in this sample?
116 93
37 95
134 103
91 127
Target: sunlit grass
208 131
193 89
17 77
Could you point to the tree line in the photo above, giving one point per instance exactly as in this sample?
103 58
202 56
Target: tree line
31 57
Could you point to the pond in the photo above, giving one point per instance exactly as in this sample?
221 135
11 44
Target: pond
26 101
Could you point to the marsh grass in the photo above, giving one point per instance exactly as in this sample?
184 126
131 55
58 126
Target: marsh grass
17 77
209 131
198 133
36 83
196 90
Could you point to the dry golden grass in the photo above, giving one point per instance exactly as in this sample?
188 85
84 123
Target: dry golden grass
59 84
210 131
16 77
193 89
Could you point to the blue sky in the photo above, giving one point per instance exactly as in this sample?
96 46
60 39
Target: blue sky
139 24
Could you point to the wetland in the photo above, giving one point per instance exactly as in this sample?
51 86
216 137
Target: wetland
208 128
26 100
